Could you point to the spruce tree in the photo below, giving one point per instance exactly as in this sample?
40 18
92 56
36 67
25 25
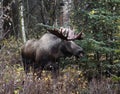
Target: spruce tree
100 21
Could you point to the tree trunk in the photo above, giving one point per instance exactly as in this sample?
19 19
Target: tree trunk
22 22
66 13
1 20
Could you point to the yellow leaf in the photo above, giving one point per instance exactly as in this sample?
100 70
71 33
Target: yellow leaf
92 12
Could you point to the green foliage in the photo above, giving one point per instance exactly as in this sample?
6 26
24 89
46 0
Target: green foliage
100 21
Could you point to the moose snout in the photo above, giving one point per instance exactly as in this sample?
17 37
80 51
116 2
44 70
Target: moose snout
80 53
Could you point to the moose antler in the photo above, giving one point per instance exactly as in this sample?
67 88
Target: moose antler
67 34
64 33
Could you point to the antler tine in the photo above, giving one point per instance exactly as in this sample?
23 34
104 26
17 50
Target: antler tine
79 36
64 32
73 36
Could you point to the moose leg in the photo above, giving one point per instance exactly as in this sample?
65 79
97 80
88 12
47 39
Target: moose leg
37 70
26 65
55 70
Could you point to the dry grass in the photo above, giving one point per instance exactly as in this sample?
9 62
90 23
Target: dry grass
70 81
14 81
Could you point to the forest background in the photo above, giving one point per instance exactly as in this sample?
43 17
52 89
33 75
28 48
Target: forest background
97 71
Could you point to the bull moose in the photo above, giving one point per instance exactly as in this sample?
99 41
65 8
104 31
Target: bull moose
37 54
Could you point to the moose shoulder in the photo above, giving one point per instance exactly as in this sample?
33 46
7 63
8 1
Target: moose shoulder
46 51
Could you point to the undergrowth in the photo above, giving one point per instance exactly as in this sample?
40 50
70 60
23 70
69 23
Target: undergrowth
70 80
